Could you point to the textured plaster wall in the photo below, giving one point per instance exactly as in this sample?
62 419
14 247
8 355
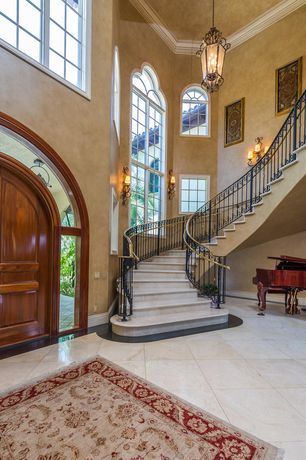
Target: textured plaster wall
78 129
244 263
192 154
250 73
139 44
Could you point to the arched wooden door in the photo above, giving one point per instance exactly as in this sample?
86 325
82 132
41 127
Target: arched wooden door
26 252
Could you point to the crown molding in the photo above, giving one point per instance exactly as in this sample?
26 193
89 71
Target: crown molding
152 18
262 22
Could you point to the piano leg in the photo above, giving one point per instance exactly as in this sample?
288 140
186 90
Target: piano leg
261 295
292 307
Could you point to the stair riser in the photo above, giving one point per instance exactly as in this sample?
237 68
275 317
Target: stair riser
150 266
156 310
170 260
158 298
140 275
152 285
168 327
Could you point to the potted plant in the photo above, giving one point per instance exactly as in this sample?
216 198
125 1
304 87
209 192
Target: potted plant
211 290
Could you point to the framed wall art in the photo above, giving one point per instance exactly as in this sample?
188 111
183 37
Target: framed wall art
288 85
234 123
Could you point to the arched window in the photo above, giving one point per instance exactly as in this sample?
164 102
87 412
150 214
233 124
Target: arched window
195 112
147 148
116 92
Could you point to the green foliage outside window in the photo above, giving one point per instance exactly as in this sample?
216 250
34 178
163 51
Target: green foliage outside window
68 260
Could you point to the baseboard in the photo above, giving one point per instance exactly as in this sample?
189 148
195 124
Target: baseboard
97 320
271 298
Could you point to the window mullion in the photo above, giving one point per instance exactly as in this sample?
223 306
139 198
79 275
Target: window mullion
45 32
147 173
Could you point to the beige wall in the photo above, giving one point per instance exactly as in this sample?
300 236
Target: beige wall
244 263
192 155
139 44
78 129
250 73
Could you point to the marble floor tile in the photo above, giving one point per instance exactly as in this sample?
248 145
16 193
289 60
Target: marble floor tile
179 374
116 352
215 349
167 350
293 450
232 373
281 373
257 349
297 398
264 413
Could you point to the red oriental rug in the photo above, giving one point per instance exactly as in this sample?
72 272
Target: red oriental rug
96 410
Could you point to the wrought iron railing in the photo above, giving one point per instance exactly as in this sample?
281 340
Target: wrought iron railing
143 242
205 270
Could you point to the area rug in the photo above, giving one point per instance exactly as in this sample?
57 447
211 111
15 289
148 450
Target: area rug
96 410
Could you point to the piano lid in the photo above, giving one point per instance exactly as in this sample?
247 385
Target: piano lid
289 259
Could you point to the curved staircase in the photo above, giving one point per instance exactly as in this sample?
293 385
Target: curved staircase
165 301
170 269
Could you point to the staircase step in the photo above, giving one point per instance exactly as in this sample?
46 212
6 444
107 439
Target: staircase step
155 296
143 325
173 307
161 266
171 259
159 274
288 165
162 284
176 252
275 180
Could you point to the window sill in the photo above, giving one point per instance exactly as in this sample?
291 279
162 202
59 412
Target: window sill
44 69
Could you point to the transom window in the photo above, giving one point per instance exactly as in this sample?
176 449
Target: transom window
52 32
194 192
195 112
147 149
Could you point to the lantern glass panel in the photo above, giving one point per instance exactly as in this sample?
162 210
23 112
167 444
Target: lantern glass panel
221 59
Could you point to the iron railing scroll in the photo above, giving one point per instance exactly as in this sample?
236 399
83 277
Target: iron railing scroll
143 242
205 270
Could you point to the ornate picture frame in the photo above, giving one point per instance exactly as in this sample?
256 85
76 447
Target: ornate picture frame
234 122
288 86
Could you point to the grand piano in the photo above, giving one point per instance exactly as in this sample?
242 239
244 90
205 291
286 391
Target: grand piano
289 277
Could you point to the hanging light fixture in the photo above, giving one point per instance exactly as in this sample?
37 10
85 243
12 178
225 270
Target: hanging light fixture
212 52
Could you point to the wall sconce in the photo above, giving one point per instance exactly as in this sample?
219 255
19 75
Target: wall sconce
126 188
171 185
259 151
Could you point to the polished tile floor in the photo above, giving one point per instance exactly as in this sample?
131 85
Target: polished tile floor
253 376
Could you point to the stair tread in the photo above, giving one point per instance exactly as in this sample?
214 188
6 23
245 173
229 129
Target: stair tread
168 280
165 305
176 291
161 271
169 318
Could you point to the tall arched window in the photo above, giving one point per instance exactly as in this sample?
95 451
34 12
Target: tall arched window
116 92
195 112
147 148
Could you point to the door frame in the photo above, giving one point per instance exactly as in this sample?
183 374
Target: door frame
71 185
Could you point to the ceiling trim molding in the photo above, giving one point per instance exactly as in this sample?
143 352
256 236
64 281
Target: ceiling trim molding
267 19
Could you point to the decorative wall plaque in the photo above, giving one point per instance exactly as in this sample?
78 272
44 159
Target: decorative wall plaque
234 123
288 86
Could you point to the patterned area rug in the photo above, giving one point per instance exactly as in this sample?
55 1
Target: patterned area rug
96 410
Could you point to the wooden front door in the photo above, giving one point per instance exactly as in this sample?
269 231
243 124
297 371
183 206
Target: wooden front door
25 247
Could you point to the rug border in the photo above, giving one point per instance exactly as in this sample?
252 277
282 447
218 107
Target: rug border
32 382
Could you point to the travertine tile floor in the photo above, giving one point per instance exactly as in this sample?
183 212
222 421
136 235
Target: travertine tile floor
253 376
